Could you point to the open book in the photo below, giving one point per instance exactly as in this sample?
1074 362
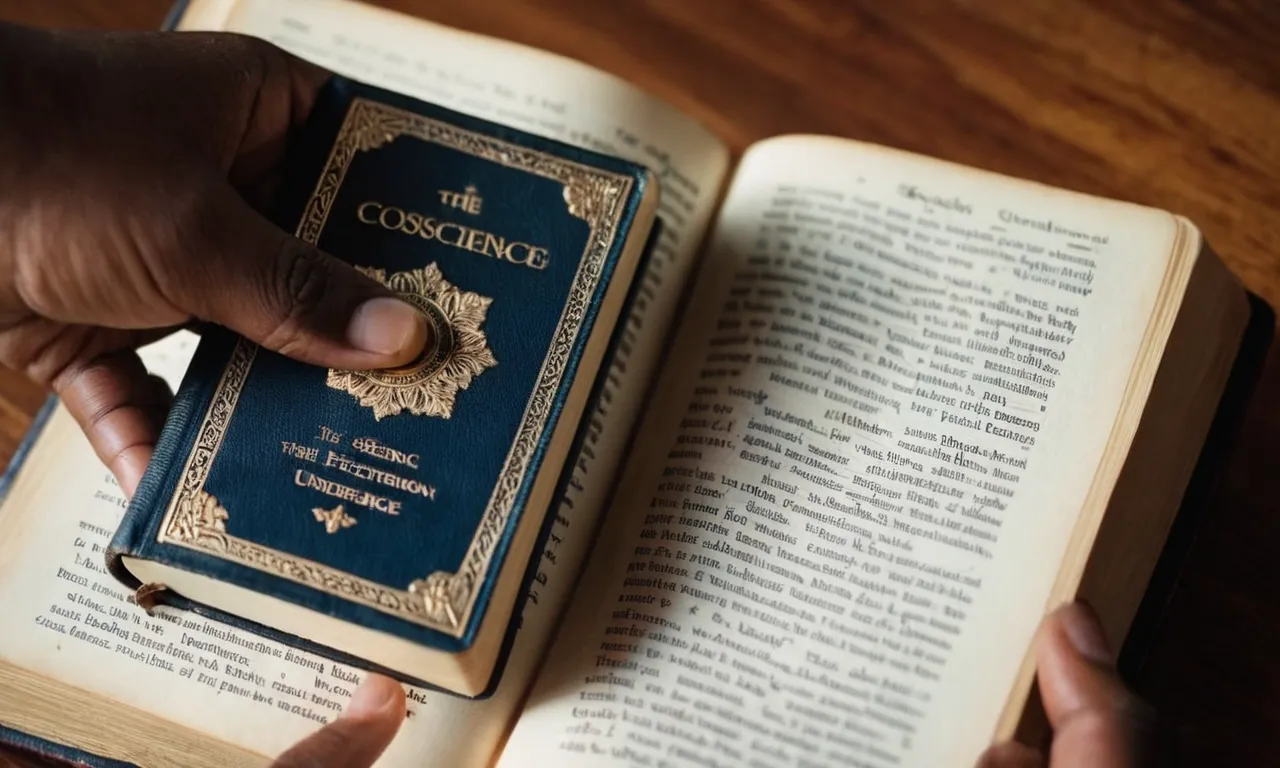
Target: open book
906 407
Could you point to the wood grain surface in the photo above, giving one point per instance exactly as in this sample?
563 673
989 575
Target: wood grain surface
1169 103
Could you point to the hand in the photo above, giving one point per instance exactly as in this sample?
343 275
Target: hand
359 736
1097 722
132 171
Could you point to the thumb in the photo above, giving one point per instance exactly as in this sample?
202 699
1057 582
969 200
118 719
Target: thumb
1097 722
288 296
359 736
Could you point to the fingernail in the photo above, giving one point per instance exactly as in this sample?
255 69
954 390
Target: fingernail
1085 633
387 326
375 694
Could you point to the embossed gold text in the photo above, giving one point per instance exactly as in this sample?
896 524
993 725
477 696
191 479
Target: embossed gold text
390 479
304 452
450 233
305 479
371 447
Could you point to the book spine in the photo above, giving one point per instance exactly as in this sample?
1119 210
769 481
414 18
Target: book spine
1193 514
141 522
52 752
174 16
24 448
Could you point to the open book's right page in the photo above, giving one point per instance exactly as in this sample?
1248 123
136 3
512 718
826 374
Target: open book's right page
868 452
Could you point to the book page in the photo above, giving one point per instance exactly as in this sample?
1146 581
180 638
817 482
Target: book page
67 619
864 465
263 696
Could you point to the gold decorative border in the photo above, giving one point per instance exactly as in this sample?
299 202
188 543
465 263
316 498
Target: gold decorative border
442 601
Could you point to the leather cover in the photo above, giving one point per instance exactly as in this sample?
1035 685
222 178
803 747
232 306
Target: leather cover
389 500
50 752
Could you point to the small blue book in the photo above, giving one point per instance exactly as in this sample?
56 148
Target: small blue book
388 519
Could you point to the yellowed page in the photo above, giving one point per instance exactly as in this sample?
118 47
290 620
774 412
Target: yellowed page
866 460
489 78
67 619
207 14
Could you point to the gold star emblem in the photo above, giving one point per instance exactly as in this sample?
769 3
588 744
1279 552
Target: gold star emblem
429 385
334 519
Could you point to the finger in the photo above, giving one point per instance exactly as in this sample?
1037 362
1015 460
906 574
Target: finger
45 349
287 93
161 398
1010 755
120 408
1096 720
359 736
305 79
243 272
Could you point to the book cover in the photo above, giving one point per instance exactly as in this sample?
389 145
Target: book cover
49 752
390 500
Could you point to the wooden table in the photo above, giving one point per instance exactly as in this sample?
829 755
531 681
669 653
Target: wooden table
1170 103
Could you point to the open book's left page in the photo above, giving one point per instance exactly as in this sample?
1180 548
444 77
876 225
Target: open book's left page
230 684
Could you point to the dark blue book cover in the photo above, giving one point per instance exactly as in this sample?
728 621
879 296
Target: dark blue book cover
400 508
